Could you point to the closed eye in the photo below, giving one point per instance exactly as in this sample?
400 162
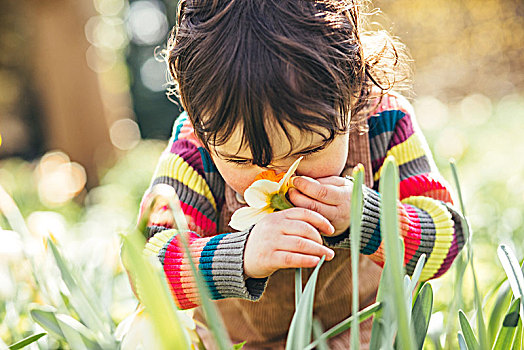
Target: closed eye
238 161
310 151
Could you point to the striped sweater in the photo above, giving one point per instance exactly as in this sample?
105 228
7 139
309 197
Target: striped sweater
428 222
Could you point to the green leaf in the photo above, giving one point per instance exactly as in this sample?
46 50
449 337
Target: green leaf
384 325
299 335
212 316
481 325
153 292
502 303
95 317
362 315
390 235
462 342
357 204
45 317
513 271
506 333
416 273
421 314
76 334
26 341
239 346
317 333
64 327
517 341
469 336
298 286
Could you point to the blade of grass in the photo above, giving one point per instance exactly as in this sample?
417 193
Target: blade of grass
45 317
154 293
421 313
384 324
511 267
213 318
517 341
509 326
12 213
64 327
467 332
416 273
77 335
481 325
317 333
462 342
298 286
26 341
82 301
502 303
299 335
357 205
390 234
362 315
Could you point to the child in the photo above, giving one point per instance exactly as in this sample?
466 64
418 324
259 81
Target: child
263 82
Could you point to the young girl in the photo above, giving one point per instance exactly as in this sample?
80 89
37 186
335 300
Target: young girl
264 82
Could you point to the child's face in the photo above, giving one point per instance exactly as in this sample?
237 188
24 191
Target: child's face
238 171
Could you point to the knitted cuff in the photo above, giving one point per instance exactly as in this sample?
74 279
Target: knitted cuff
370 239
370 233
219 260
224 273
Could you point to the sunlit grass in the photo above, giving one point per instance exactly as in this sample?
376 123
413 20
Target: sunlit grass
78 293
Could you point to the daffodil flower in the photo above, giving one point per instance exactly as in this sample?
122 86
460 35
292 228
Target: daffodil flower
265 195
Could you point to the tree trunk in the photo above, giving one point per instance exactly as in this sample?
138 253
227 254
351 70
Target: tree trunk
74 119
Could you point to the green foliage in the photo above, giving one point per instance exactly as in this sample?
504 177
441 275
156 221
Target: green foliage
396 308
26 341
509 327
89 298
421 314
299 334
153 292
357 203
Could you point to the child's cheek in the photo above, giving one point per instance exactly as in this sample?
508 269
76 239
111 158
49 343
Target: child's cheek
239 178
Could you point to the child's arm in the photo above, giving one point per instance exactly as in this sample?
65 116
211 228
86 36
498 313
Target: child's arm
186 166
231 265
428 222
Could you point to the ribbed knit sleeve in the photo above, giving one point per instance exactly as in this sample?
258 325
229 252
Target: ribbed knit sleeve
187 167
428 222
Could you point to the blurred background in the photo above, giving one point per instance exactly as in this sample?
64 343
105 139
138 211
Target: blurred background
84 115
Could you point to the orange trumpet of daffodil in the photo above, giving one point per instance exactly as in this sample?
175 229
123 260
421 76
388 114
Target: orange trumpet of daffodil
265 195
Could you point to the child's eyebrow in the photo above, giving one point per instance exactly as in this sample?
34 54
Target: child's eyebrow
310 149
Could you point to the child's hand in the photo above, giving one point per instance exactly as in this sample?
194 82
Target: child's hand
328 196
286 239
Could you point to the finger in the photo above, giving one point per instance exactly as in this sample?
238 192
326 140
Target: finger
300 200
327 194
301 229
334 181
304 246
313 218
285 260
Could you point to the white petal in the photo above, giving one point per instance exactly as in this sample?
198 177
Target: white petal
243 218
289 173
257 195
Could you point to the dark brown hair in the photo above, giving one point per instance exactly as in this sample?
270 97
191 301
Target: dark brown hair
251 63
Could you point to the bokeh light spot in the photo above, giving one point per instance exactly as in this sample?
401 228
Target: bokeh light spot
147 22
125 134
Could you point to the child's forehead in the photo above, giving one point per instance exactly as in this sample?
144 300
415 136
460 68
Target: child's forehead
283 143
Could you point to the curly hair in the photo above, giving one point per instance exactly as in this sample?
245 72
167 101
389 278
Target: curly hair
254 63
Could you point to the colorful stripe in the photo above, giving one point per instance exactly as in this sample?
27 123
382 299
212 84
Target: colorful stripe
174 166
427 222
